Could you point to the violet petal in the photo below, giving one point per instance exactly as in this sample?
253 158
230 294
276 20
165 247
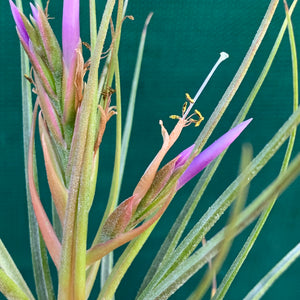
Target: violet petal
183 156
35 12
70 30
36 16
210 153
19 22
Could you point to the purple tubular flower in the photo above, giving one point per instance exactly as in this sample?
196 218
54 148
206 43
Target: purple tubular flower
70 30
183 157
209 154
35 12
19 22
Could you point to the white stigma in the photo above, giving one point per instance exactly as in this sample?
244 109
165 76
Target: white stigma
223 56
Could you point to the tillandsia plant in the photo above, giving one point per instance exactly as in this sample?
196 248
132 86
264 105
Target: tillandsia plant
74 101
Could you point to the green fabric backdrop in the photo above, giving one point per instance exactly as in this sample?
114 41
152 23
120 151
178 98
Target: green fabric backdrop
183 42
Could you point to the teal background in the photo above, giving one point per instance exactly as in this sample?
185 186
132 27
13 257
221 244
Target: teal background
183 42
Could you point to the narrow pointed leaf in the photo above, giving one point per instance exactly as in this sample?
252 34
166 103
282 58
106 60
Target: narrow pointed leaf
214 266
182 220
50 114
93 24
42 278
194 237
55 179
49 236
88 108
239 260
10 289
183 271
8 267
100 250
52 48
118 220
266 282
238 78
132 97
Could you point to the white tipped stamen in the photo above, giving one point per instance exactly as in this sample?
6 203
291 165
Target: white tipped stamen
223 56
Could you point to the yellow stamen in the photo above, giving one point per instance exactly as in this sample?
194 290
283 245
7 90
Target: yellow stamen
189 98
29 79
87 45
175 117
107 92
111 90
201 118
198 113
184 107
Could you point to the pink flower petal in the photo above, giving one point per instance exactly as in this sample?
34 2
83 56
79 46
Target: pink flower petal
19 22
70 30
210 153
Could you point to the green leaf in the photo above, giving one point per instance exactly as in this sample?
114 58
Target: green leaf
236 265
183 271
123 264
237 80
111 69
10 289
266 282
113 194
195 236
39 257
124 147
39 2
131 105
82 143
216 265
180 224
9 271
115 185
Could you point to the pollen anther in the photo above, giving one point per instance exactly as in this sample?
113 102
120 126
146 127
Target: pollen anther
184 107
198 113
200 118
189 98
175 117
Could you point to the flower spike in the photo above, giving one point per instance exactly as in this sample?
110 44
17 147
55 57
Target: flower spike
153 181
199 162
